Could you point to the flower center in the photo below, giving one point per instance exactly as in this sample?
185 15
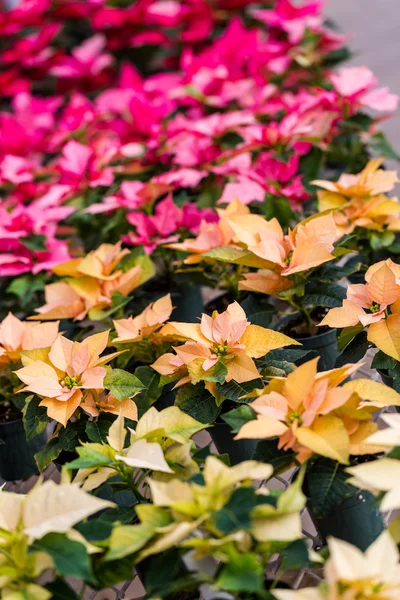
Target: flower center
70 382
295 416
288 258
375 307
220 350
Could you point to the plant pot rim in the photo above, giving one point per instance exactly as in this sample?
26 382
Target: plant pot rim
11 422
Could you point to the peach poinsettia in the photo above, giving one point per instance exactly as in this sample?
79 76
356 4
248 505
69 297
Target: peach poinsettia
146 324
211 235
65 374
17 336
225 338
351 574
370 305
307 246
311 412
360 200
89 284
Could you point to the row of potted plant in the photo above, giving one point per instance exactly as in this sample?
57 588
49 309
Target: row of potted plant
144 163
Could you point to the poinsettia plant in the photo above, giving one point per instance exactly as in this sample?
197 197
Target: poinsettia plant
369 317
68 380
363 210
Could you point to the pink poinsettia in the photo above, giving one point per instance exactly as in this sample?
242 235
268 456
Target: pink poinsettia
163 227
79 166
357 85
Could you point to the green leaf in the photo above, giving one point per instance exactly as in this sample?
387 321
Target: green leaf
34 417
382 147
152 390
89 458
97 431
267 451
243 573
70 558
278 208
197 402
122 384
49 453
354 351
327 487
26 286
111 573
295 555
235 256
258 310
95 530
60 590
37 243
237 417
332 295
236 514
347 335
118 301
383 361
234 391
331 272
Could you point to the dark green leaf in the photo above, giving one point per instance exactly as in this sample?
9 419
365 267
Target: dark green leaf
122 384
327 487
354 351
382 147
383 361
70 558
295 555
49 453
267 451
37 243
34 417
95 530
234 391
60 590
97 431
237 417
108 574
151 392
236 514
197 402
329 295
347 335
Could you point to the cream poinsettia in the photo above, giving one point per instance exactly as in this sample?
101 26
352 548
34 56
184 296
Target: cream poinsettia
161 443
226 340
353 575
311 412
375 305
144 325
17 336
65 374
47 508
90 283
360 200
186 514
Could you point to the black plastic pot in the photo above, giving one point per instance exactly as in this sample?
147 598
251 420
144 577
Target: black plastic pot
238 450
358 277
356 520
324 345
17 460
188 303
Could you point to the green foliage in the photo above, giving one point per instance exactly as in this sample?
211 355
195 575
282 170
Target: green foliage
267 451
97 430
243 573
36 243
236 514
70 558
34 417
348 334
67 439
122 384
26 286
235 391
60 590
89 458
382 147
197 402
295 555
327 488
332 295
354 351
237 417
151 391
